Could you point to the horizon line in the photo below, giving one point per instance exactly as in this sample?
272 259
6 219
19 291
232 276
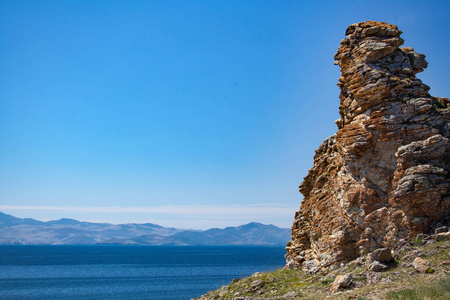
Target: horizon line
133 223
177 216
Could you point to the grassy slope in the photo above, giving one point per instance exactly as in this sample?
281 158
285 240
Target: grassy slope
401 281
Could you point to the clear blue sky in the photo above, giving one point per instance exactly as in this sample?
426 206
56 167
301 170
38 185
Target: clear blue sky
192 114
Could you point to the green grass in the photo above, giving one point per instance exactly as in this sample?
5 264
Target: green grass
438 106
326 281
439 290
399 282
417 241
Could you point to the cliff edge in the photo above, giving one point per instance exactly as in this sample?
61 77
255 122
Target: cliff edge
384 176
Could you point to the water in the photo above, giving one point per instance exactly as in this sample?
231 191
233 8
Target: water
127 272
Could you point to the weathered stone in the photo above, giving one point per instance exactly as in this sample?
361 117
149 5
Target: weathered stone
443 236
223 290
411 255
430 242
341 282
372 277
377 266
383 255
290 295
386 280
311 266
422 265
384 176
405 265
256 284
441 230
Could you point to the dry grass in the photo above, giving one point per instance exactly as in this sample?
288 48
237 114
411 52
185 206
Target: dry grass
435 290
399 282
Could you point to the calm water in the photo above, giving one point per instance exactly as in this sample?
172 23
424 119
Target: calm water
127 272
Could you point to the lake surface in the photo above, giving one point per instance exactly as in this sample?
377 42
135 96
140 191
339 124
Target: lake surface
127 272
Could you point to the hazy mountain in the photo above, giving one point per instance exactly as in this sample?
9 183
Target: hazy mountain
70 232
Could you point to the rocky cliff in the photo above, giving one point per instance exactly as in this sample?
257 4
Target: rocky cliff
384 176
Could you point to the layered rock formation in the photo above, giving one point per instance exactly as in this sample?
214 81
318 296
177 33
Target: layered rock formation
384 176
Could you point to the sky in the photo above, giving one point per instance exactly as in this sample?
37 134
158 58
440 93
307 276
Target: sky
189 114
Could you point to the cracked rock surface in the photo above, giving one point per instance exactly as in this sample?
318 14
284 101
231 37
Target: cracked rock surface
384 176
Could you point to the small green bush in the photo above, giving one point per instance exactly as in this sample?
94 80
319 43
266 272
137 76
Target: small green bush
325 281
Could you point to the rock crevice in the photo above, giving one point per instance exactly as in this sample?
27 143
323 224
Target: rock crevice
384 176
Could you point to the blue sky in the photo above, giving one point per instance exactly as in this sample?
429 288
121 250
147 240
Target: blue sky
193 114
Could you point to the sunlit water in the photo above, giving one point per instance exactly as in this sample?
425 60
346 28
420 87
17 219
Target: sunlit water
127 272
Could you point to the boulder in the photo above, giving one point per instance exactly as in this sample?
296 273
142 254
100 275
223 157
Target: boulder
383 255
255 285
377 266
341 282
422 265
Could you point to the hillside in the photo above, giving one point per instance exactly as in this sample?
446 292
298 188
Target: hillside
358 279
69 232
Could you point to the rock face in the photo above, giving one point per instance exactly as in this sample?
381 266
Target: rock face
384 176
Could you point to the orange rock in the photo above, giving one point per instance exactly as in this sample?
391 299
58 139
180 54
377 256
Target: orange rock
422 265
384 176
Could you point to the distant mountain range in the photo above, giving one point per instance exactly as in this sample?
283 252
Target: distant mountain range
72 232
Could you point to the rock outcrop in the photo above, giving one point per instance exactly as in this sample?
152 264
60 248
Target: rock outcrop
384 176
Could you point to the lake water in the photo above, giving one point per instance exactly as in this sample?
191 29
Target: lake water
127 272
